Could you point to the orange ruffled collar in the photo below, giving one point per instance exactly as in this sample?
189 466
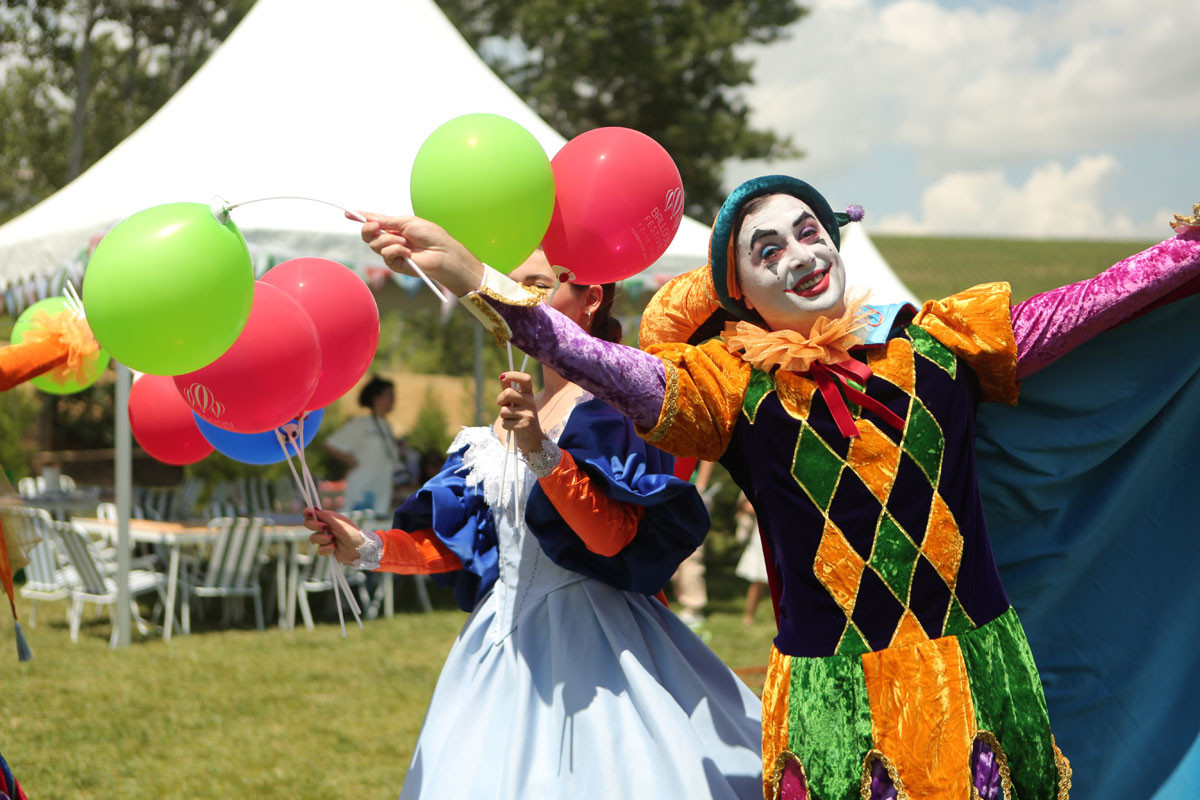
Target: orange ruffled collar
828 342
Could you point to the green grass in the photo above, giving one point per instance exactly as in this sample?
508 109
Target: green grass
237 713
934 267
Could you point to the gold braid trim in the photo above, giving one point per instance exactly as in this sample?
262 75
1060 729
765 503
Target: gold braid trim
1181 221
538 295
777 773
1060 761
865 787
670 405
499 328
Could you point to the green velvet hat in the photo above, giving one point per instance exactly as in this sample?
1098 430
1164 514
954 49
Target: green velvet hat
720 245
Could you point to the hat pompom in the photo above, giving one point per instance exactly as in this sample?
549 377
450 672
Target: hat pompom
854 213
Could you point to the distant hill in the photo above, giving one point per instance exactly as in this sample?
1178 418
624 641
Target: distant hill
939 266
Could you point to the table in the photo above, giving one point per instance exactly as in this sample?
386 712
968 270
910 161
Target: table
175 535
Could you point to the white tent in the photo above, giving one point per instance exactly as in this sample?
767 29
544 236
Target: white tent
305 98
865 267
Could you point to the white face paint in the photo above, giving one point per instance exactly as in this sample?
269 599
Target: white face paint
789 270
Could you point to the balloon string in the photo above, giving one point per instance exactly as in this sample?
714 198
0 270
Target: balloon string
339 575
226 207
73 301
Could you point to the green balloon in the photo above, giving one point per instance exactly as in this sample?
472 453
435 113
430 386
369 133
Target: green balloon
487 181
169 289
96 363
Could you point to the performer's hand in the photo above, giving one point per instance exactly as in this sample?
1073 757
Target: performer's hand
334 534
436 252
518 411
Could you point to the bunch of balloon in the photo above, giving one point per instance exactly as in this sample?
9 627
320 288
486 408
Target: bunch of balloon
618 205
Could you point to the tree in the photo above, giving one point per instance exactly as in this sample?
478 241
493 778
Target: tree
669 68
78 76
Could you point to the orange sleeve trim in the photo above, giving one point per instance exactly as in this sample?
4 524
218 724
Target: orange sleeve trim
416 553
604 525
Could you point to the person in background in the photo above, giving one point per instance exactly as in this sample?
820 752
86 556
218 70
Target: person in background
367 446
688 584
752 566
9 788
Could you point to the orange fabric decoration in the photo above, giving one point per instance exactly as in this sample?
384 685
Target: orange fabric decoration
976 325
828 342
416 553
677 309
923 718
6 571
604 526
60 344
21 362
775 714
705 389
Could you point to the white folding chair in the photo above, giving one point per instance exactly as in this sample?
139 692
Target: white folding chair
233 566
45 578
98 584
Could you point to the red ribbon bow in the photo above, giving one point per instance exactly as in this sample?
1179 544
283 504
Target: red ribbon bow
828 376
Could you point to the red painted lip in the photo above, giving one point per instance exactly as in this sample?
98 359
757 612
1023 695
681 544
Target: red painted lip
821 286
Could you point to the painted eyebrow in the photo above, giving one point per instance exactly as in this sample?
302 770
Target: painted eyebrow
761 234
805 217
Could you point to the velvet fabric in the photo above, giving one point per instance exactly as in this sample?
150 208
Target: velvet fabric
829 723
627 470
628 379
1051 324
1088 486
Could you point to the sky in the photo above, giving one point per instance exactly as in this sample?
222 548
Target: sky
1025 119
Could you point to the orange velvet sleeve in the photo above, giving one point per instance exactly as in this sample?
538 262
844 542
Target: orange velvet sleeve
604 525
416 553
705 388
976 325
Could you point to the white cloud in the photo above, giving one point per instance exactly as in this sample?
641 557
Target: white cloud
961 94
972 85
1054 202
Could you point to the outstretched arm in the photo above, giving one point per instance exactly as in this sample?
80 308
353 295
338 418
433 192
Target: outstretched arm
1049 325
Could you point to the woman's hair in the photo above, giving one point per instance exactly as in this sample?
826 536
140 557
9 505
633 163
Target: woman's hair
604 325
372 389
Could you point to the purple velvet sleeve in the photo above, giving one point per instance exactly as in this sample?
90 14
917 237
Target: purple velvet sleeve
632 382
1049 325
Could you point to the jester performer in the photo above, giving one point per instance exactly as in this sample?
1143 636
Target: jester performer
900 668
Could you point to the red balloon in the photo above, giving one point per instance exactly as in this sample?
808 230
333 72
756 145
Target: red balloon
163 423
346 317
618 203
267 377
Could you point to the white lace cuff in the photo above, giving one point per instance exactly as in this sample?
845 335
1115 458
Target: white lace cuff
370 552
543 462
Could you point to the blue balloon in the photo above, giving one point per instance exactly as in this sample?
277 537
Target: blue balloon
255 448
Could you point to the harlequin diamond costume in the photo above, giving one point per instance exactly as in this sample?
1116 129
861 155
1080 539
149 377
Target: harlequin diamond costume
900 669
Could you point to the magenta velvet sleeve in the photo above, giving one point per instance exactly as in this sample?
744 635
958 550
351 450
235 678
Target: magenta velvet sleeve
1049 325
632 382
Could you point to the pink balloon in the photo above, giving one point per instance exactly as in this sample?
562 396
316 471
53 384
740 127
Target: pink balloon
618 203
163 423
267 377
347 320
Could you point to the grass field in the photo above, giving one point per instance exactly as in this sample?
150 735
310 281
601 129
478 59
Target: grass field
237 713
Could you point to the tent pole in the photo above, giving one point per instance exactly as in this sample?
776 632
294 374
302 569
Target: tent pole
123 490
478 339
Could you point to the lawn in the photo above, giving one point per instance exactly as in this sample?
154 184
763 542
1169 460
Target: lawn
237 713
